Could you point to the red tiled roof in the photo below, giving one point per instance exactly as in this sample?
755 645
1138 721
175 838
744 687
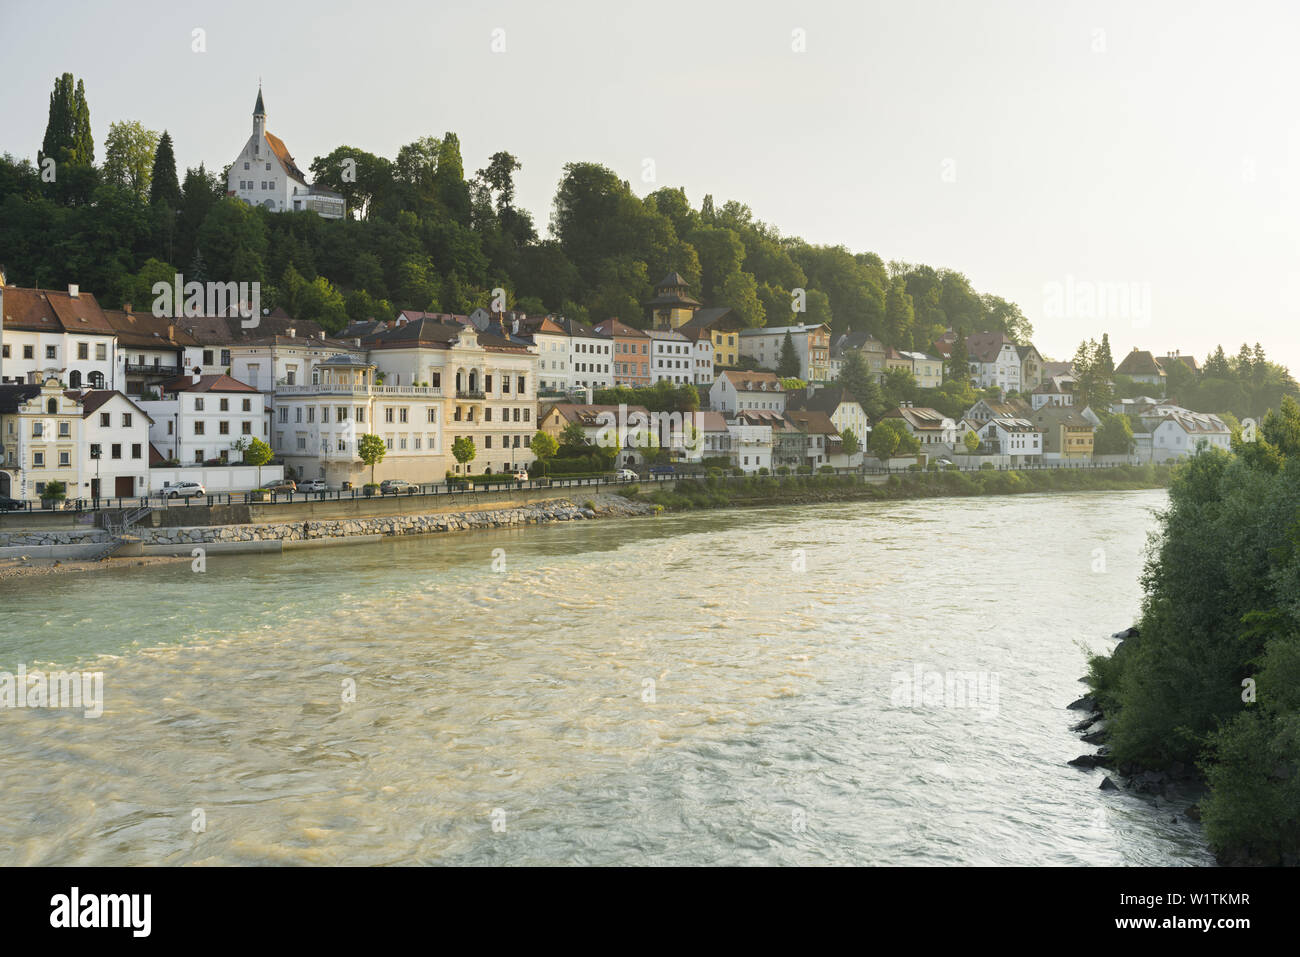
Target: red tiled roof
48 310
206 383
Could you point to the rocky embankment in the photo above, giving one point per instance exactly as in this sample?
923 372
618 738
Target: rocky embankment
1177 786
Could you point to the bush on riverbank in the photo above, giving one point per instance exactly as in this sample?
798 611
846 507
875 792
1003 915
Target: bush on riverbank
714 492
1214 675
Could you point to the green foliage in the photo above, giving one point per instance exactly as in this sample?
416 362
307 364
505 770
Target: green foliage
371 451
787 366
544 446
858 380
849 442
1222 613
55 491
1114 436
972 442
129 153
257 452
463 449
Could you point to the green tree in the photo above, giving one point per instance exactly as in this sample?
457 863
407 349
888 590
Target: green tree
164 186
256 452
972 442
68 141
463 449
544 447
958 364
787 367
849 442
573 438
129 153
371 451
857 379
890 437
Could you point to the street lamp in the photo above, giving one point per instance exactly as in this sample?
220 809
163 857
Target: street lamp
94 454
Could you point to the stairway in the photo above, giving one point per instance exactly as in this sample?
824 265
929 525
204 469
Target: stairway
117 528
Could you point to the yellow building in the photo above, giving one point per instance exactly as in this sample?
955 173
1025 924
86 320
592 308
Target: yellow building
41 430
672 305
1066 433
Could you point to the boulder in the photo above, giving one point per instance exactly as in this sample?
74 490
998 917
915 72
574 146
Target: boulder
1130 632
1085 761
1107 784
1086 703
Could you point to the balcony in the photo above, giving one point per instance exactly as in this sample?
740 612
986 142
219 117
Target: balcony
144 368
358 388
470 394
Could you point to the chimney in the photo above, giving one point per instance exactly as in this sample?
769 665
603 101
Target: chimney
126 307
292 332
357 343
322 333
171 332
591 396
74 290
195 378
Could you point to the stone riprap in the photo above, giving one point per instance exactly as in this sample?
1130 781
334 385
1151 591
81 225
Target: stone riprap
390 525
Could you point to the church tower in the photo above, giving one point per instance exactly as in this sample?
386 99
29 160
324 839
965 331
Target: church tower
259 122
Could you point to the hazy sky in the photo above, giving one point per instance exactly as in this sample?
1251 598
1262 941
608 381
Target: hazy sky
1036 146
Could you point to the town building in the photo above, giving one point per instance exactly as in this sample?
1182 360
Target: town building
1018 439
723 328
929 426
205 419
672 304
57 334
265 174
1141 366
671 357
632 360
1067 435
994 361
812 346
734 391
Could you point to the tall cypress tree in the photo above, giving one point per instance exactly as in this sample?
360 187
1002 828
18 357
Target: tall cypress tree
1105 361
68 141
787 367
165 186
959 358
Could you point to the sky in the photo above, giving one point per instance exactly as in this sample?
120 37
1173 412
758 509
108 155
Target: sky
1110 167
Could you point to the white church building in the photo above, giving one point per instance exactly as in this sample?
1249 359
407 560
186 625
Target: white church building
264 174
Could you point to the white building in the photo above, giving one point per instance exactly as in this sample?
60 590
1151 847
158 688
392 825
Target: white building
930 426
1018 438
591 356
1181 433
264 174
811 344
554 371
113 448
59 334
672 357
751 446
207 418
994 361
734 391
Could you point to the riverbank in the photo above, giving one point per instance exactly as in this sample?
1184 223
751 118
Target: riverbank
807 489
710 493
18 568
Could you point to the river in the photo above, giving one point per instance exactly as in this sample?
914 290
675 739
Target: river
725 687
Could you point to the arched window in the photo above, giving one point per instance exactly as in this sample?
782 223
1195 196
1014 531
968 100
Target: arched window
97 380
74 380
52 407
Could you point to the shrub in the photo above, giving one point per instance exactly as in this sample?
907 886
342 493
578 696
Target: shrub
737 471
827 470
589 505
914 467
932 466
783 470
986 466
804 470
764 471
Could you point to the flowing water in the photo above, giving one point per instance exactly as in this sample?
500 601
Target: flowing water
721 687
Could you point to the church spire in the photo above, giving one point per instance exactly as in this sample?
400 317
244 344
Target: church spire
259 109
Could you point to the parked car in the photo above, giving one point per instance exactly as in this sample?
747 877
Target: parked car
662 470
394 486
9 504
284 485
312 485
184 490
626 474
521 475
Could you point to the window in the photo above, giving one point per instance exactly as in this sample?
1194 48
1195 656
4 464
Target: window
198 427
268 167
248 406
225 357
207 357
51 352
126 420
297 413
342 413
324 413
525 415
65 459
83 350
302 443
433 414
487 413
248 428
401 415
223 427
38 460
136 450
198 403
65 430
388 414
116 450
487 383
27 352
223 405
284 413
169 427
436 380
311 413
105 420
245 166
361 413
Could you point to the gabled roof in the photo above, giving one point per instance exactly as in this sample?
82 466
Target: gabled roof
1189 361
752 381
823 400
147 331
918 417
91 399
282 154
228 330
48 310
613 327
987 346
1060 415
711 421
589 416
812 421
12 396
429 334
206 383
1139 362
859 340
715 316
